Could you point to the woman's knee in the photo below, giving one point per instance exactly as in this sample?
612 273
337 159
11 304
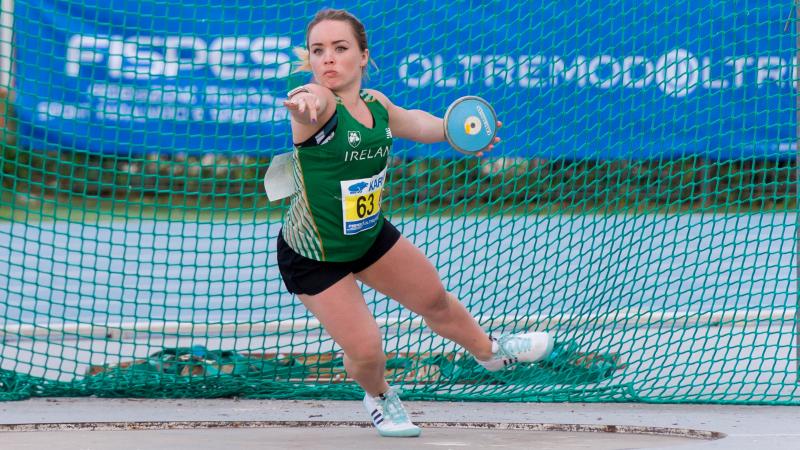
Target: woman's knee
436 303
366 352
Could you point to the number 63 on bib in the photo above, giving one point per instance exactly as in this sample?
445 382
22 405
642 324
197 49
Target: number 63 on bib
361 203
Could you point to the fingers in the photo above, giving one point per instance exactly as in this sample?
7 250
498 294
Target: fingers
317 108
302 103
312 112
490 147
496 140
294 105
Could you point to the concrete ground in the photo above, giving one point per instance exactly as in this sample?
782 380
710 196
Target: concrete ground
91 423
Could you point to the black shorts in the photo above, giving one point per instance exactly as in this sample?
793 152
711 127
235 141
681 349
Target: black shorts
302 275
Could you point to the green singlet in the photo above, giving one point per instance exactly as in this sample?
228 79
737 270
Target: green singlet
335 213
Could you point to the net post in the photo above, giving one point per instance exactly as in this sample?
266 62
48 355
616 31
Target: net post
6 36
797 188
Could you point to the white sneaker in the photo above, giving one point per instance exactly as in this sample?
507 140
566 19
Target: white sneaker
510 349
389 416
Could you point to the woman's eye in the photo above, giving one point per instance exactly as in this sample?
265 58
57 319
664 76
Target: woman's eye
341 49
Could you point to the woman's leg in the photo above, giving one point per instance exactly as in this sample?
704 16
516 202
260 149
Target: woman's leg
405 274
343 313
341 309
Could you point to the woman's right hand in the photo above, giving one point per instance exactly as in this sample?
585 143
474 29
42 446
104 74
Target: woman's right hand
302 102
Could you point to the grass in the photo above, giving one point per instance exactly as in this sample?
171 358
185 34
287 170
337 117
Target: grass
86 187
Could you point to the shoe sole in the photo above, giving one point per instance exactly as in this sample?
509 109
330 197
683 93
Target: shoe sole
411 432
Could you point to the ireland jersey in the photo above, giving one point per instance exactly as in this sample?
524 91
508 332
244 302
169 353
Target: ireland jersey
335 211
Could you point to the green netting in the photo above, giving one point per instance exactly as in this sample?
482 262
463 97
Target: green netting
665 266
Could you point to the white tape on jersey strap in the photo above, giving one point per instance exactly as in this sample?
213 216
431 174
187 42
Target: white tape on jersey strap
279 179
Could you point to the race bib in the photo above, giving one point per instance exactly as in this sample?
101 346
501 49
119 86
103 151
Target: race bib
361 203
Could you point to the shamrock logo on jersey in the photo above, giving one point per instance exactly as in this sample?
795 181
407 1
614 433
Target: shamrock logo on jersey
353 138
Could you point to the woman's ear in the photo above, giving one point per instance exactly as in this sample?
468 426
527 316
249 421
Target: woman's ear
364 58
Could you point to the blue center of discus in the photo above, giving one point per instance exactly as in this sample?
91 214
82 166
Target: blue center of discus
470 124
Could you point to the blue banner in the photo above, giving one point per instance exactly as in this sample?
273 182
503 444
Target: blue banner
591 79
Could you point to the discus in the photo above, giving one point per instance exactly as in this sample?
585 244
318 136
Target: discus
470 125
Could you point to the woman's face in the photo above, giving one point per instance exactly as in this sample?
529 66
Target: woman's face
335 57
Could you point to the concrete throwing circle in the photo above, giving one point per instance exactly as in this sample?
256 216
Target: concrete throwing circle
338 434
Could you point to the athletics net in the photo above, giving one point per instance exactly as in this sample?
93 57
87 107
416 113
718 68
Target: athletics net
642 205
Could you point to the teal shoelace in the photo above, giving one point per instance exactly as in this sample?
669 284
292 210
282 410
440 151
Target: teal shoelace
393 410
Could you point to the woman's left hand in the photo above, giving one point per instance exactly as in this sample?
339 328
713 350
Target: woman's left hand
491 146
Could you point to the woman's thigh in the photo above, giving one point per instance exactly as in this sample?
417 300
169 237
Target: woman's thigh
342 311
405 274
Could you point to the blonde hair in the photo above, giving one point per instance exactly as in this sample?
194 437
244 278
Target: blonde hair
304 65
